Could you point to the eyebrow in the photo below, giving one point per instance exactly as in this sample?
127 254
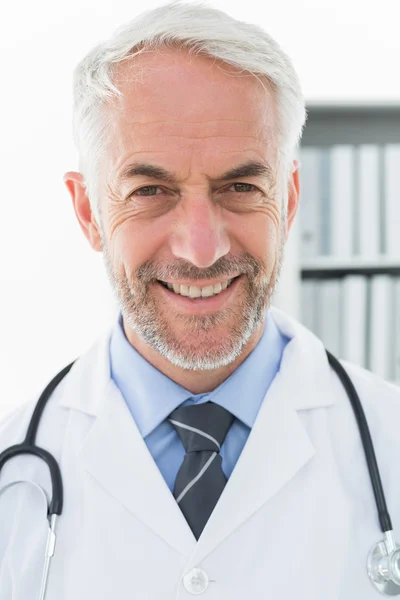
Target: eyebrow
247 169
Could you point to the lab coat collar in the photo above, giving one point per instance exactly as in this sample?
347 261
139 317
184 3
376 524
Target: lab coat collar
84 387
304 348
116 456
305 356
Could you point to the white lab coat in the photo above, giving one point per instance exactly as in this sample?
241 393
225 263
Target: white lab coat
295 521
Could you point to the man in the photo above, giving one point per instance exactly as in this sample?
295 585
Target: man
205 444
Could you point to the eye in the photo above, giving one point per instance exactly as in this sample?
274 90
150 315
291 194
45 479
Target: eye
148 190
245 185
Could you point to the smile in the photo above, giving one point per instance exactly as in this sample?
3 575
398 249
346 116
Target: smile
199 304
192 291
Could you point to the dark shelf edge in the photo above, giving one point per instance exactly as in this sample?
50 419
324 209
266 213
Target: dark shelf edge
344 272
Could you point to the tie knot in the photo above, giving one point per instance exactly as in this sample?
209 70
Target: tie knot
201 426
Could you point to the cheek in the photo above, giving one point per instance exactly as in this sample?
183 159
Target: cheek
133 243
260 236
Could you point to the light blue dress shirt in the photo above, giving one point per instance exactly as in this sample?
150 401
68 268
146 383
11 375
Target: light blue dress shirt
151 396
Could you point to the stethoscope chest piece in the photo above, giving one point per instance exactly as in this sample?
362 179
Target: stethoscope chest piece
383 566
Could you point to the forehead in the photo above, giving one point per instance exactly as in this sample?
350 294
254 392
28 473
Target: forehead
172 100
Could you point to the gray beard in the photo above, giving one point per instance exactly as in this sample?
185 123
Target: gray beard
140 311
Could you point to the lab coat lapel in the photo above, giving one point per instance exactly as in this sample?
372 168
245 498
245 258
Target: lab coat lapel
278 446
115 454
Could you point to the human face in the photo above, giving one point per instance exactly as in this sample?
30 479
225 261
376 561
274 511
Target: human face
196 119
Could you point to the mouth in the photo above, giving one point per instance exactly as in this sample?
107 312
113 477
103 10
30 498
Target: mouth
212 300
196 293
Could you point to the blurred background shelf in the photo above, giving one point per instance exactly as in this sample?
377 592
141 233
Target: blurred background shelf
367 123
341 274
328 267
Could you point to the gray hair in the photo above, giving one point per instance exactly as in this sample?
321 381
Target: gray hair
199 29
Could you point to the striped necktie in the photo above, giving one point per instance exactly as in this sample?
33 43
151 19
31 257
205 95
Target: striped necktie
202 429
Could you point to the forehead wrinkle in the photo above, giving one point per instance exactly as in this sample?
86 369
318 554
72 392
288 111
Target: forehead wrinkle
260 136
193 122
169 122
205 137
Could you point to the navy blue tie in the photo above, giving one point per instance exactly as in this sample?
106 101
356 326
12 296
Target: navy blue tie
200 481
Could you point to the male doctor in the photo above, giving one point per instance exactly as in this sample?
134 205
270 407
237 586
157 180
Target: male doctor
206 447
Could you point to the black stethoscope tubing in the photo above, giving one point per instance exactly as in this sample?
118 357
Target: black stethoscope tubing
383 513
28 446
56 504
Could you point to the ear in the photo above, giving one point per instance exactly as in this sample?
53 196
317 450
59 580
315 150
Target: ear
293 197
83 211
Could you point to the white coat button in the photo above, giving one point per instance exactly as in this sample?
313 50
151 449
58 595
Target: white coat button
196 581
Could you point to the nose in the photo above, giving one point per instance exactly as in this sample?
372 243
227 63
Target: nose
200 235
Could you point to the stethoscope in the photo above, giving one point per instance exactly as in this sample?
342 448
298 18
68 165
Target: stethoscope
383 563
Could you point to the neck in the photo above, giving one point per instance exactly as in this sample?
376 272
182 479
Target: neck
196 382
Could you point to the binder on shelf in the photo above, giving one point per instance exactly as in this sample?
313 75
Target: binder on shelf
308 302
381 326
328 327
354 319
349 216
391 162
325 201
369 201
342 200
395 346
310 205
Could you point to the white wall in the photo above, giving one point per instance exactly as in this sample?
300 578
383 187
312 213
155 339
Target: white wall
55 297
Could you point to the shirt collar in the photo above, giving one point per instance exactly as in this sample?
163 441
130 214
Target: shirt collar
151 396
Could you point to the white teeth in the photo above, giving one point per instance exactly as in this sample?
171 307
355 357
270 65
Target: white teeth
193 291
184 290
218 288
207 291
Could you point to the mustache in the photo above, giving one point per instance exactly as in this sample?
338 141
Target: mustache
179 269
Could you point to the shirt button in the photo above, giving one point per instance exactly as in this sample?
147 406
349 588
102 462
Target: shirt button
196 581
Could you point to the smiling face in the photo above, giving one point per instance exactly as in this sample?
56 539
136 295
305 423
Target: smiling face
176 207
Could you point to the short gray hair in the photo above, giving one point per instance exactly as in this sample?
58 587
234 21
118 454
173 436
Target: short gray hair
199 29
